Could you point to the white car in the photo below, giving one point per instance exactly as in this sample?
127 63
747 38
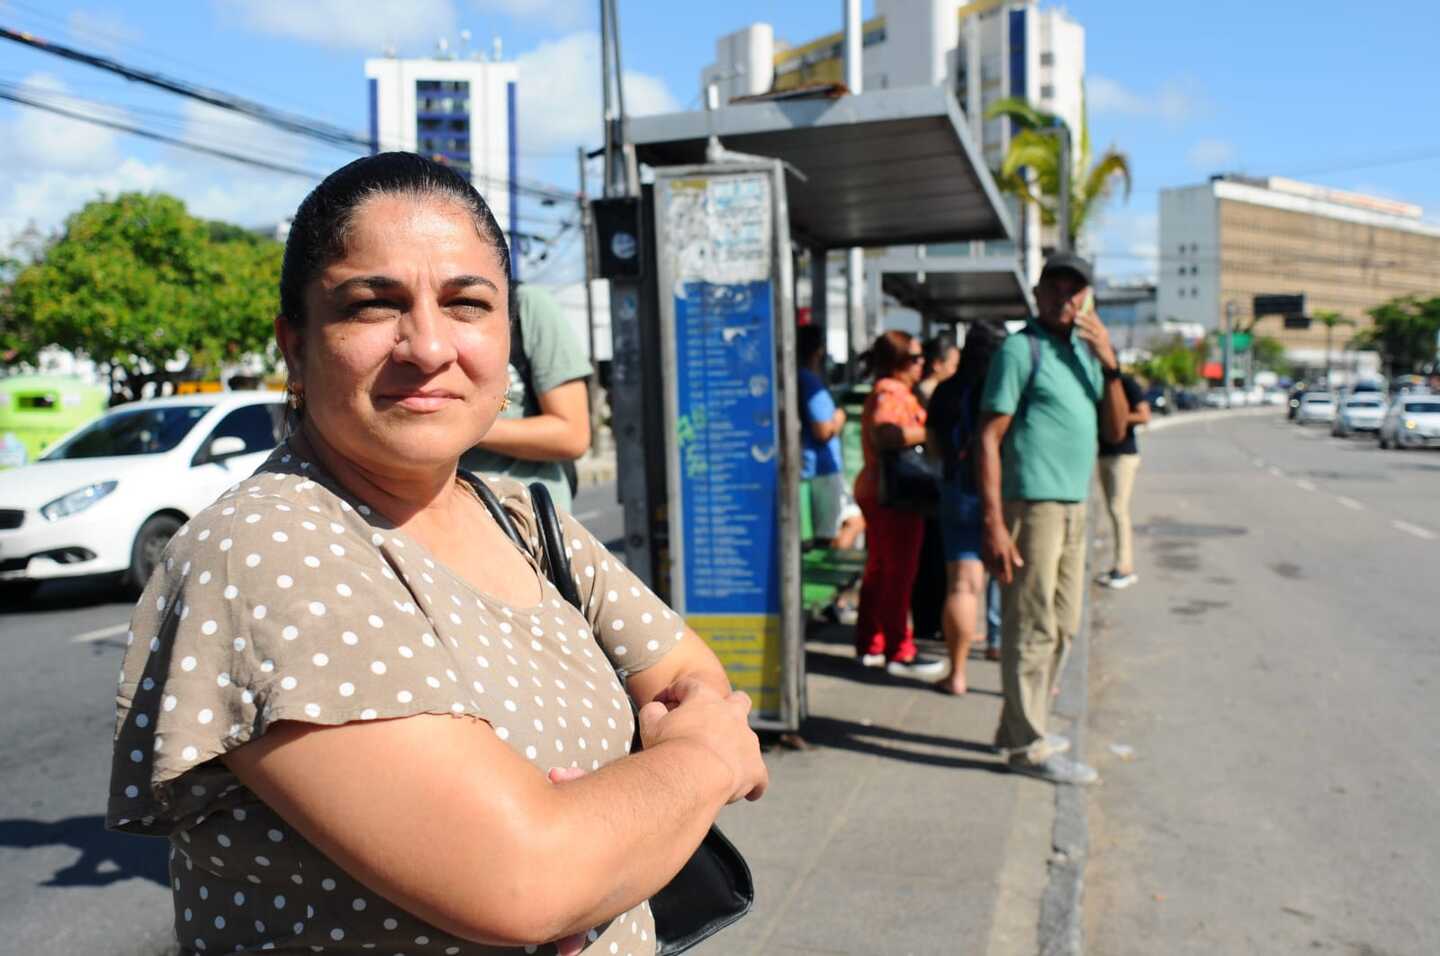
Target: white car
1315 407
1361 412
1412 421
108 496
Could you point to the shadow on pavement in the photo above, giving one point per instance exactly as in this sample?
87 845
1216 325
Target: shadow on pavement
873 739
105 856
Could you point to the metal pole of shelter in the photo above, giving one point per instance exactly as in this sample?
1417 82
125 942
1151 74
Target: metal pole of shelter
1230 310
855 258
587 232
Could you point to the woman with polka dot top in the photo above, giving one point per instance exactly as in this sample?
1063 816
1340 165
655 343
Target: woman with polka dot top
365 720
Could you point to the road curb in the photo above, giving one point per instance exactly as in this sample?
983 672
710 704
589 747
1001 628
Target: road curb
1186 418
1061 929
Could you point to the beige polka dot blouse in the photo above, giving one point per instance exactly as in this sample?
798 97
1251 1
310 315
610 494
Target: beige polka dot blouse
289 600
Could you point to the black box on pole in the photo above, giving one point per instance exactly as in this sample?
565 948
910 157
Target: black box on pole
619 251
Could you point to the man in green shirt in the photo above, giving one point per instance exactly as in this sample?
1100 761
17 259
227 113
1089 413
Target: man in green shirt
1038 441
547 422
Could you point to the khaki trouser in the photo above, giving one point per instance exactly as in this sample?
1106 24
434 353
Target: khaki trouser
1041 616
1117 478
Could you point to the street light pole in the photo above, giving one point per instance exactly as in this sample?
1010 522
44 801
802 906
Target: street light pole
587 231
1230 310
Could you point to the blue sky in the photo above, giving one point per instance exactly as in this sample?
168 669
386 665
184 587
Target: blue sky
1338 94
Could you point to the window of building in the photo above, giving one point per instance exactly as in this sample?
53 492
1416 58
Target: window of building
1047 59
1194 292
1047 91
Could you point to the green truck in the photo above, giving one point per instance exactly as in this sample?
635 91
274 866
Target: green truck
37 409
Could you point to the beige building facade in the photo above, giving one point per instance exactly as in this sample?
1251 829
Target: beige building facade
1228 240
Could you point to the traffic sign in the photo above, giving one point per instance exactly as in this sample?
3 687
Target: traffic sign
1240 341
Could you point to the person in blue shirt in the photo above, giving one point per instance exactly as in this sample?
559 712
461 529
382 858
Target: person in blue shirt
821 422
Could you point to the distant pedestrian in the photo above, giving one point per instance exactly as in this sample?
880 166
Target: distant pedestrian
1039 435
892 421
954 428
821 462
1119 463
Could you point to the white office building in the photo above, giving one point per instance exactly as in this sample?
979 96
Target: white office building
456 111
982 51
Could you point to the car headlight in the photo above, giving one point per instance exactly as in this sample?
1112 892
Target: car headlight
1410 424
77 500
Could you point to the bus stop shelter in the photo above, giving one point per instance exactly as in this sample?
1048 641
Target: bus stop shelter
950 289
735 187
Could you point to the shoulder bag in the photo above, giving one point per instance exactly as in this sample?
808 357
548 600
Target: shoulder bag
713 889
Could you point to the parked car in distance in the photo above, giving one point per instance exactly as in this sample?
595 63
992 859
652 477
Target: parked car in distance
1274 396
1158 398
1186 400
108 497
1315 407
1215 398
1411 421
1360 412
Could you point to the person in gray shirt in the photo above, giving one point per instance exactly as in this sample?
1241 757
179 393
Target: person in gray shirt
546 425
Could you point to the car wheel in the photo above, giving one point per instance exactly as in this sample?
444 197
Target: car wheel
17 593
148 550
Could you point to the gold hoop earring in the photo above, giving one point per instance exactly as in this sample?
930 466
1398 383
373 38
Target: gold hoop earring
295 398
505 402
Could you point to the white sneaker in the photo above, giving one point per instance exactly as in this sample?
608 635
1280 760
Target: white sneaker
1117 581
919 667
873 660
1057 769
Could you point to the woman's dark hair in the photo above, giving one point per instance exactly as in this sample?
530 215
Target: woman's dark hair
890 353
322 223
809 339
982 341
936 348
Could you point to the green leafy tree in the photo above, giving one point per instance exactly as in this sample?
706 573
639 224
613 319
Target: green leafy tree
1270 354
1091 183
1404 333
1174 364
137 283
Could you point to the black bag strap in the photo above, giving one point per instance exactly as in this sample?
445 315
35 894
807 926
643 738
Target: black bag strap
552 540
492 505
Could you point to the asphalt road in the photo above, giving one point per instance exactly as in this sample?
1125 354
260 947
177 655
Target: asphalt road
1275 676
67 886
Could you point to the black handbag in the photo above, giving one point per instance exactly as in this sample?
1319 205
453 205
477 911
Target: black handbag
910 480
714 888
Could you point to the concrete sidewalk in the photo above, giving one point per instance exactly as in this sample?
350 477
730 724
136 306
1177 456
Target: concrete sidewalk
899 831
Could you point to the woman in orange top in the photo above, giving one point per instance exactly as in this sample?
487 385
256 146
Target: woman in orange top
893 418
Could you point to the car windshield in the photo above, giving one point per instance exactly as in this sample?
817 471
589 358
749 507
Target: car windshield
1317 399
1420 408
138 431
1362 404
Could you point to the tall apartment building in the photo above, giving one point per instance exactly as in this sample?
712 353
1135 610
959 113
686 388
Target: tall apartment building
1234 237
456 111
983 51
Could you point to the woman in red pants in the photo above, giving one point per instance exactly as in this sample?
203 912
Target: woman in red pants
893 418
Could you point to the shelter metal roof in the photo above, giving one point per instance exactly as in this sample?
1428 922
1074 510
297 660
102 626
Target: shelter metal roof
956 288
892 167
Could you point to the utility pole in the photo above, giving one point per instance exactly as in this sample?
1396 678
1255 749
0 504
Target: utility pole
1230 310
621 174
587 231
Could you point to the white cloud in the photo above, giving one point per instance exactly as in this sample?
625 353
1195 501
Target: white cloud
1175 102
559 14
37 138
560 94
367 25
101 30
1212 155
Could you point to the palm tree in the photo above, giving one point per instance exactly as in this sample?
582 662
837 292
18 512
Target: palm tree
1031 149
1330 319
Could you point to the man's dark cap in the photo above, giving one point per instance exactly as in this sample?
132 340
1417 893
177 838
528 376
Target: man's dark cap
1069 262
